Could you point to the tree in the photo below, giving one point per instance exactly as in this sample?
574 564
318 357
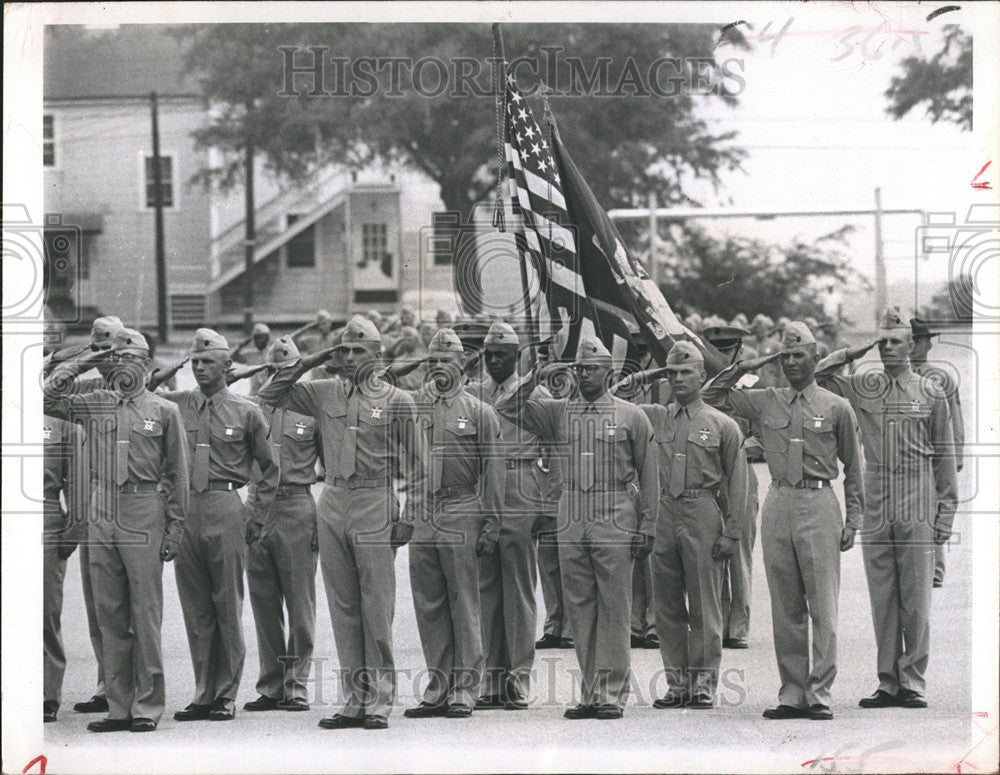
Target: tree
379 101
943 82
953 304
725 276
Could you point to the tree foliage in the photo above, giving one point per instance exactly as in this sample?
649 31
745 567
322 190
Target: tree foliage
943 83
954 303
726 276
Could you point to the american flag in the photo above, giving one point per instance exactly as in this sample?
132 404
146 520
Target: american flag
544 235
576 257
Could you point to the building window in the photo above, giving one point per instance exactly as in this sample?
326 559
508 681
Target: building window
374 244
300 250
166 180
445 229
48 140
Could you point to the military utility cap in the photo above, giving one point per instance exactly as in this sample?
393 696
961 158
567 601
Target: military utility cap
721 334
762 320
920 329
282 351
207 340
501 334
693 320
261 328
323 316
740 320
796 336
360 330
684 353
104 329
592 352
894 317
445 342
127 340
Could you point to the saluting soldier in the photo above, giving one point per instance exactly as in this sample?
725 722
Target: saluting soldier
260 337
65 473
738 577
922 344
804 430
606 520
136 444
102 332
910 482
703 480
507 577
281 566
227 435
369 436
461 526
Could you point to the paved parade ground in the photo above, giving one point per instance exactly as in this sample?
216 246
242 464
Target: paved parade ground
731 737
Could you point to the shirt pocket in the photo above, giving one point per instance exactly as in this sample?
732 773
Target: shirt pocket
775 432
819 437
461 429
300 430
614 453
228 434
151 429
703 450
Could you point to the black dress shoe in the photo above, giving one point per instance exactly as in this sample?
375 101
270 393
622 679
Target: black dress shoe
342 722
581 711
548 641
674 698
515 701
222 710
193 712
294 704
426 710
651 641
881 699
637 641
490 702
143 725
735 643
49 710
608 712
94 705
261 703
785 712
701 701
376 722
110 725
909 698
565 643
458 710
820 713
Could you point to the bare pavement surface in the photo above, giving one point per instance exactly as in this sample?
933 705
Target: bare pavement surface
733 737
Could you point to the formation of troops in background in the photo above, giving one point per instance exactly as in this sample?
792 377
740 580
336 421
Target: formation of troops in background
638 516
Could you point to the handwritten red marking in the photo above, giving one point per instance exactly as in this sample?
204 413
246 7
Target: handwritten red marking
985 184
814 762
41 761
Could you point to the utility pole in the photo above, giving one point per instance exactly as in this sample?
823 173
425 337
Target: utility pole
162 325
654 234
880 289
249 241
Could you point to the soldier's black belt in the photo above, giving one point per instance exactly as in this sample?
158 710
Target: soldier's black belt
604 487
698 492
131 487
223 485
517 462
805 484
455 491
288 490
357 483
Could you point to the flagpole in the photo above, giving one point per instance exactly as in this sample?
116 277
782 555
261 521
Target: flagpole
498 216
